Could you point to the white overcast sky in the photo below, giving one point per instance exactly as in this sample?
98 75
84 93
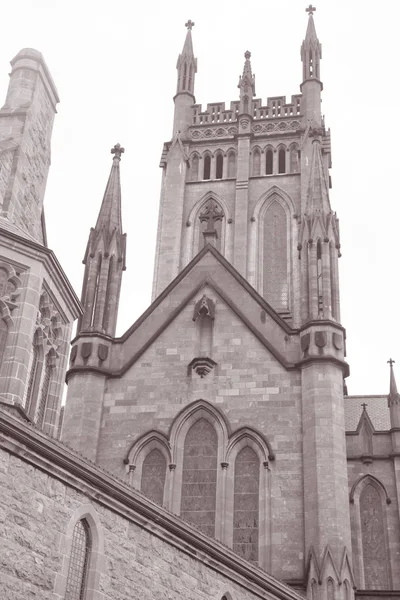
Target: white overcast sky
114 62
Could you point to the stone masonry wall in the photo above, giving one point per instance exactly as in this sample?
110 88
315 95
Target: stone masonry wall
37 510
248 385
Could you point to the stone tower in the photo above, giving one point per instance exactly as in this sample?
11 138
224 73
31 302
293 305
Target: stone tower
104 262
240 357
37 303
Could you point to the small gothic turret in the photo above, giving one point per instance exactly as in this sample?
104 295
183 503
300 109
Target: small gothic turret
247 86
184 98
393 399
311 49
311 54
105 259
319 244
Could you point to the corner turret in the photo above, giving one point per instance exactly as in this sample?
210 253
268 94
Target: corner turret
184 98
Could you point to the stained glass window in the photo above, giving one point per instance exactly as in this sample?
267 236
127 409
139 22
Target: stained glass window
245 504
44 392
199 477
375 554
153 476
79 561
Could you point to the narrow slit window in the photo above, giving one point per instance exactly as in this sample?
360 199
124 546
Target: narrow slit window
207 167
231 165
282 161
219 166
256 163
269 162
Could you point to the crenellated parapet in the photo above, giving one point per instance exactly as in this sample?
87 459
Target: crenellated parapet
275 108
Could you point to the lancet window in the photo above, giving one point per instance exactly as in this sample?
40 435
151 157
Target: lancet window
44 391
246 504
199 476
282 160
374 547
231 164
275 256
294 159
194 168
219 166
79 561
153 476
3 338
256 163
207 167
269 162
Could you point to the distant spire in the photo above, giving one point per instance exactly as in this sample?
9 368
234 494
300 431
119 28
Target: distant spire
311 49
187 63
110 212
246 85
394 397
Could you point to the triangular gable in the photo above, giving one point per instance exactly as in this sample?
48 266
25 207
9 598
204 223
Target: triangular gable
206 269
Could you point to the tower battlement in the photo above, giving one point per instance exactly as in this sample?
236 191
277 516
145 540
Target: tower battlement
276 108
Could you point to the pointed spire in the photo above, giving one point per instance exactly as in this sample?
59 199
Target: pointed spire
246 85
311 49
110 212
188 45
394 397
318 189
187 63
104 259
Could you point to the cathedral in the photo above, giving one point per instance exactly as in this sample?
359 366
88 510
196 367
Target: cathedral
211 451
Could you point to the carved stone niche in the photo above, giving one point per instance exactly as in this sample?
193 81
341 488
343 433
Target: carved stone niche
203 315
202 365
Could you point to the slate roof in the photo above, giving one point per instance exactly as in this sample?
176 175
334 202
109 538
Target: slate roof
377 409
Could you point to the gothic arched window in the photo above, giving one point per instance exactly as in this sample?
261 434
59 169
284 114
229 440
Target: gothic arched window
207 167
275 257
79 561
3 338
294 159
231 164
44 392
153 476
194 168
282 160
374 549
319 277
199 476
256 163
219 167
330 590
245 504
269 162
33 377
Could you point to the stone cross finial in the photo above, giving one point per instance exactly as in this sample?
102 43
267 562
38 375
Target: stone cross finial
364 406
310 9
117 151
189 24
391 362
247 55
211 214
